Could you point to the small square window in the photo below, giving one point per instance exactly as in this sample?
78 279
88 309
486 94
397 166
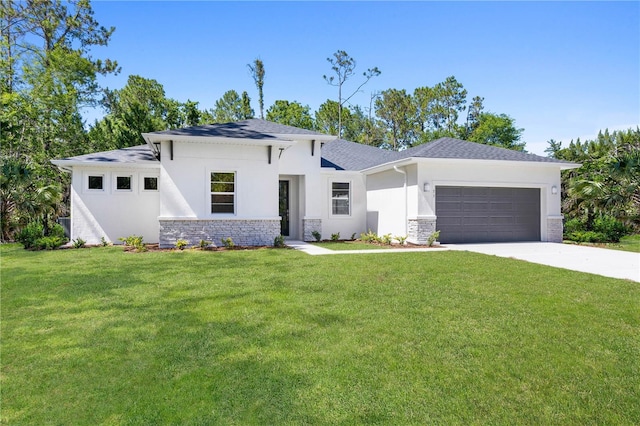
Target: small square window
150 183
123 183
96 182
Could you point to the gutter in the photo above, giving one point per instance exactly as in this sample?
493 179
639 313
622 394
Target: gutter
406 199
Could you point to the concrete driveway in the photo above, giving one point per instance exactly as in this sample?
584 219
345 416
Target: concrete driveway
609 263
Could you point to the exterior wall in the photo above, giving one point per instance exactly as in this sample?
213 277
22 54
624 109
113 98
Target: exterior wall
309 226
243 232
110 213
390 204
420 229
494 174
356 221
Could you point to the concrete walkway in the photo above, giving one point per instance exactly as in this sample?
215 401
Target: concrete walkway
594 260
314 250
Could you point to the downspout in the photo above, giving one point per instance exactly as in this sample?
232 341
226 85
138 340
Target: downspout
406 199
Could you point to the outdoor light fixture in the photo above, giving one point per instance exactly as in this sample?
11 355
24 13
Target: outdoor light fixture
426 187
554 189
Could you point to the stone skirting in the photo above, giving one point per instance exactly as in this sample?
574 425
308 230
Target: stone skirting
309 226
420 229
554 229
243 232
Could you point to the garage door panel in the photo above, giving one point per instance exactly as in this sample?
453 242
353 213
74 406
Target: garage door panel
485 214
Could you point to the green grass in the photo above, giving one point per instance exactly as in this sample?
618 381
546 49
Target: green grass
99 336
349 245
628 243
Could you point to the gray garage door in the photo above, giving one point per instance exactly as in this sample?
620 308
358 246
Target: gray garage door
477 214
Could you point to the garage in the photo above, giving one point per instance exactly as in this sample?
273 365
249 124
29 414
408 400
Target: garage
485 214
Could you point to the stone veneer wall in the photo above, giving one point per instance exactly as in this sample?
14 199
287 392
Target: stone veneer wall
420 229
243 232
310 225
554 230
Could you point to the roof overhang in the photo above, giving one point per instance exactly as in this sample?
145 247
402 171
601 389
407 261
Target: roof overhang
468 161
67 165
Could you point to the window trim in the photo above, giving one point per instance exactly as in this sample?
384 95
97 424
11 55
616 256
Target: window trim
332 198
142 183
125 175
88 176
210 193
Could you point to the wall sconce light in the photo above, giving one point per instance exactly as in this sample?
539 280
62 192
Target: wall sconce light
554 189
426 187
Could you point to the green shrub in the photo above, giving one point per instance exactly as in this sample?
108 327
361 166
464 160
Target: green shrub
57 230
369 237
181 244
612 228
401 239
30 234
204 244
79 243
49 243
278 241
317 235
335 237
574 225
353 236
587 237
135 242
104 242
228 243
386 239
433 238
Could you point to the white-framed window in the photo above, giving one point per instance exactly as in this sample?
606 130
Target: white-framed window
95 182
340 198
124 183
150 183
223 192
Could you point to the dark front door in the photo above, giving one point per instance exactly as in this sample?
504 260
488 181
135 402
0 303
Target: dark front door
284 207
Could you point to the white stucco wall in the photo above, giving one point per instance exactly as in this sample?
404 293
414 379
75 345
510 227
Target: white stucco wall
346 225
186 180
297 160
110 213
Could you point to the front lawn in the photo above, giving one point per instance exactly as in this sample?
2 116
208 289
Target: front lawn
628 243
350 245
99 336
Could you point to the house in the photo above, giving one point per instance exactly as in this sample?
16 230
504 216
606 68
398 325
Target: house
253 180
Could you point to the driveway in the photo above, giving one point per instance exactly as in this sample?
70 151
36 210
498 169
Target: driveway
609 263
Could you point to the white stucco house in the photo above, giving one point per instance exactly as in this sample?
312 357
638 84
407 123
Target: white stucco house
254 180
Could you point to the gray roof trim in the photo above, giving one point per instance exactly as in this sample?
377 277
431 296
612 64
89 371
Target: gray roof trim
345 155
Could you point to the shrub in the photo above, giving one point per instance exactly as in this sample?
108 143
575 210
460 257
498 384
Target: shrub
610 227
79 243
335 237
317 235
30 234
135 242
353 236
369 237
104 242
204 244
587 237
57 230
49 243
573 225
400 239
228 243
181 244
278 241
385 239
433 238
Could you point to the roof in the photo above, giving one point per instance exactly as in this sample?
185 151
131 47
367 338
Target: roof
459 149
345 155
134 154
246 129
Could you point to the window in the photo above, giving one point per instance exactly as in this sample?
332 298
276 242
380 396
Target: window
96 182
340 197
123 183
223 192
150 184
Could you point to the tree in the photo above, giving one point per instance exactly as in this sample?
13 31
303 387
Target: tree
497 130
231 107
257 72
327 118
473 115
396 110
343 66
290 114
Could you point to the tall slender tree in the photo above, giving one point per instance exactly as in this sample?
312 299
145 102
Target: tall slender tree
257 72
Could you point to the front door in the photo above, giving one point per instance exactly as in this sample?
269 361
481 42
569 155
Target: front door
284 207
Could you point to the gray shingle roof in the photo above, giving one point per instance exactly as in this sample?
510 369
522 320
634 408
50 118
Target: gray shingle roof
246 129
345 155
134 154
459 149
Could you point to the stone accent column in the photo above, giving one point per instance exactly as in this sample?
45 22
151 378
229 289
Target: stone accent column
420 229
243 232
309 226
554 229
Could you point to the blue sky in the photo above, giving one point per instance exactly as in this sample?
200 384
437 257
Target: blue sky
561 69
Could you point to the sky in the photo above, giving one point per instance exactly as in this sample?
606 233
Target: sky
562 70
